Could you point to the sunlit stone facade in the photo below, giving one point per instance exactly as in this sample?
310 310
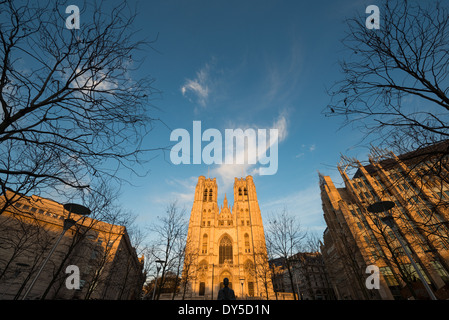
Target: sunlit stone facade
227 242
355 238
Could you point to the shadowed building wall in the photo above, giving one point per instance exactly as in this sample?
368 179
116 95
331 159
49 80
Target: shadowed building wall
109 267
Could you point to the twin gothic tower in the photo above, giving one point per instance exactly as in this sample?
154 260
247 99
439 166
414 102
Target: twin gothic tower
225 242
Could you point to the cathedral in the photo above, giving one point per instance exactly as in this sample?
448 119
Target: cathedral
227 242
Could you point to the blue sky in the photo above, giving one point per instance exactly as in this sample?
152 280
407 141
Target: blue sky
246 64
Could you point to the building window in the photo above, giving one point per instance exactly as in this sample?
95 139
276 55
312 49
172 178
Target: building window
247 248
202 288
388 276
240 191
251 289
225 250
440 270
210 194
204 249
205 195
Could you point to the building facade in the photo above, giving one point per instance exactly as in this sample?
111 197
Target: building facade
355 238
107 265
226 242
309 277
313 283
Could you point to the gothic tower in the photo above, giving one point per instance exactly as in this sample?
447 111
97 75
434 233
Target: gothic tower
225 242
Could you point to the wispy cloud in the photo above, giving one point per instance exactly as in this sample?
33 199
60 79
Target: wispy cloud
227 172
283 76
306 149
181 190
199 87
305 204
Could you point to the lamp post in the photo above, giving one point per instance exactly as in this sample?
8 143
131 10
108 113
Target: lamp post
386 206
158 267
68 223
212 294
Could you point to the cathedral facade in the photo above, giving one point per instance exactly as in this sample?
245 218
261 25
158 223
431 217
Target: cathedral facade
227 242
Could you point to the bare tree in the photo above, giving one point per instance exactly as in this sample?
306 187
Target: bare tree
188 270
262 270
29 235
149 265
395 89
72 111
20 236
395 79
168 232
285 238
180 252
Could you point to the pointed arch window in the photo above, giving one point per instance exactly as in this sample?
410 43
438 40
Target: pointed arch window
210 194
225 250
247 247
240 191
245 192
204 247
205 195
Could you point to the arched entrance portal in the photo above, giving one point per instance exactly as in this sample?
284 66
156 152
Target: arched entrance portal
225 274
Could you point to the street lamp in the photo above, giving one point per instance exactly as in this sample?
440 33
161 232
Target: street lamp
158 267
386 206
242 281
212 294
68 223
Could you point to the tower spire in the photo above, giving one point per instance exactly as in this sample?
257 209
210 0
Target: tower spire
225 202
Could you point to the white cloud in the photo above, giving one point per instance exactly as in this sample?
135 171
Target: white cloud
282 126
185 189
99 80
199 86
227 172
180 190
